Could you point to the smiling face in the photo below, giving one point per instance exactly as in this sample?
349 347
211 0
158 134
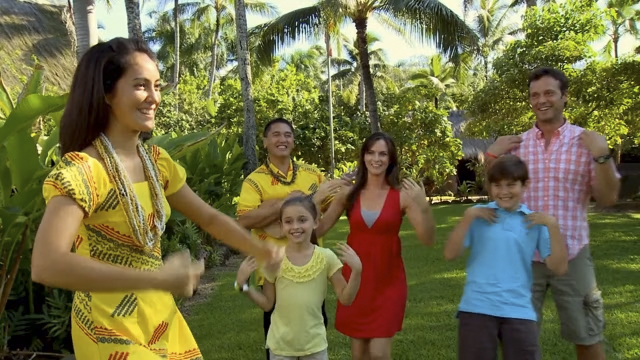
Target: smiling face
298 224
136 96
376 159
279 140
547 100
508 193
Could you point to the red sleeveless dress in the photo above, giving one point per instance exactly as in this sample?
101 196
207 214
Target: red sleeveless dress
378 309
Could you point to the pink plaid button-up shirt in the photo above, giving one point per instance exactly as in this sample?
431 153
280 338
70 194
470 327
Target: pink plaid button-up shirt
561 178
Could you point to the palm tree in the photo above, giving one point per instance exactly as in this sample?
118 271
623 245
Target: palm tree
350 71
492 31
250 131
308 62
222 13
423 19
86 25
623 20
440 75
133 18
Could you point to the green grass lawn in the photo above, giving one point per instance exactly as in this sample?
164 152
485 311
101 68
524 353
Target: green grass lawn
228 326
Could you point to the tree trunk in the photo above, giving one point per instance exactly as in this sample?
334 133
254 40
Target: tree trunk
333 160
133 18
69 24
367 79
214 56
361 93
86 23
176 40
615 39
249 132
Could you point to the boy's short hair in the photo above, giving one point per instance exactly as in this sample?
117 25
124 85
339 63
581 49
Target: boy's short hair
508 167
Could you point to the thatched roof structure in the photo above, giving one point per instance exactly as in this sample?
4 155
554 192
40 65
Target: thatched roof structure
41 29
471 147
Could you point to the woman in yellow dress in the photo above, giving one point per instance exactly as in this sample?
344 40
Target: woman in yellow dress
109 198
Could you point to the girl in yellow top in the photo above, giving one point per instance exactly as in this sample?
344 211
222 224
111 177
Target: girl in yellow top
297 329
109 198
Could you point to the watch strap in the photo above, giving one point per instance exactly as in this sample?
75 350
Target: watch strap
243 288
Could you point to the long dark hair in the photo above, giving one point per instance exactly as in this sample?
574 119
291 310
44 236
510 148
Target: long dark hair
392 173
87 112
306 203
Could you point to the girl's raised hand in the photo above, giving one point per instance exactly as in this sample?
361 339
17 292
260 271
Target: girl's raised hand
348 255
247 267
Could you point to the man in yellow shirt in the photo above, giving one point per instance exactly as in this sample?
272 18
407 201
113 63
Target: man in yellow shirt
265 189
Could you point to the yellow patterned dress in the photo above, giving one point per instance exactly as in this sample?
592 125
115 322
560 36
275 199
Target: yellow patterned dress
128 325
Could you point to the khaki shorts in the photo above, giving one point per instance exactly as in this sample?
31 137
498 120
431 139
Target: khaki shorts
578 300
322 355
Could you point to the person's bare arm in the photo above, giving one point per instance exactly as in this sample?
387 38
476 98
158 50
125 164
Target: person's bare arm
54 265
415 205
502 145
265 299
346 291
557 261
261 217
332 215
217 224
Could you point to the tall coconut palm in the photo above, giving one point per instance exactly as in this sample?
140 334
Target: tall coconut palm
623 20
222 13
490 23
250 131
133 18
86 25
421 19
439 75
350 71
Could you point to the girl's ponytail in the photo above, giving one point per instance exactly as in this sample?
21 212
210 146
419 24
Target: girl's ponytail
314 237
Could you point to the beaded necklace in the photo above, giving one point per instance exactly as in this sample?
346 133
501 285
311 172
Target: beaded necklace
148 236
283 180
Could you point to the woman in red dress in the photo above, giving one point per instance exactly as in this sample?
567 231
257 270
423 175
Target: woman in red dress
375 206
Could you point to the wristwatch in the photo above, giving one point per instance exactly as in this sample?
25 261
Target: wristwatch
243 288
602 159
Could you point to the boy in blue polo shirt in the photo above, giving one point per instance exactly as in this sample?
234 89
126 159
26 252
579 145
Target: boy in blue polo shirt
503 237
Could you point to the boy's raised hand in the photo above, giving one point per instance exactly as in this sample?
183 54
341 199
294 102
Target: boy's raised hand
485 213
348 255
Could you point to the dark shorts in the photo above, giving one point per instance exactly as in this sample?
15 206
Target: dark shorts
479 336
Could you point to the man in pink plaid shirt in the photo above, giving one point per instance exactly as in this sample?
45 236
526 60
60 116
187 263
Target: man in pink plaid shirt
567 165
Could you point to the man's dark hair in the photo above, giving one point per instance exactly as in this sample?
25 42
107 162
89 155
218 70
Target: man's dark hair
276 121
556 74
508 167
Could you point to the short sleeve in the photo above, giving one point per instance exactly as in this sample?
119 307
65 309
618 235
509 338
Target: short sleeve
333 263
173 174
250 196
269 276
544 242
75 176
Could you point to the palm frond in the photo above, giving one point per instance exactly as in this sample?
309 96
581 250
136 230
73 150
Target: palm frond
286 30
433 22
